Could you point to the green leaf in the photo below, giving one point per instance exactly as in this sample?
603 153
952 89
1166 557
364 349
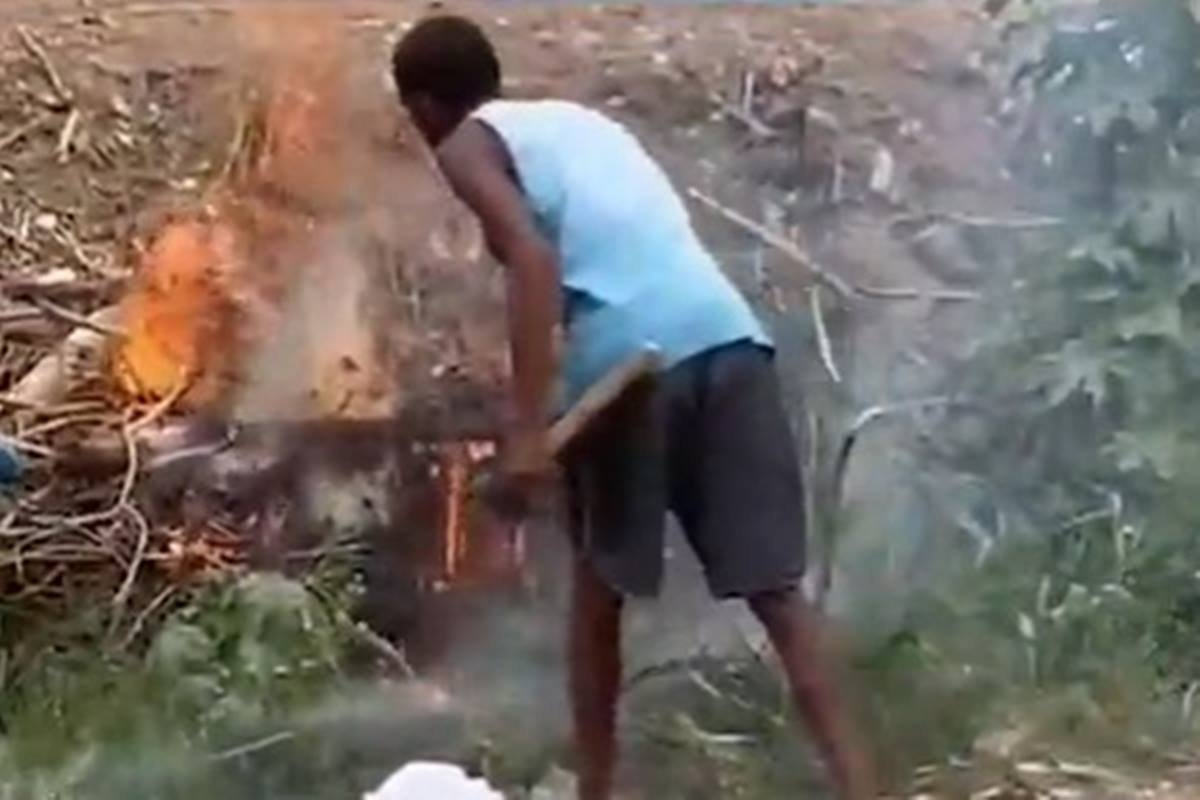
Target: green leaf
1154 450
1076 367
272 596
1162 321
179 648
1026 627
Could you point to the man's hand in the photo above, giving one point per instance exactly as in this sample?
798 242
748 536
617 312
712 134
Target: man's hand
525 454
526 470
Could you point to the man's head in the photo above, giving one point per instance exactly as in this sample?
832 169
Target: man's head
444 68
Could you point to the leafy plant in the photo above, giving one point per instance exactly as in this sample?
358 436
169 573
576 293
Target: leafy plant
241 655
1060 491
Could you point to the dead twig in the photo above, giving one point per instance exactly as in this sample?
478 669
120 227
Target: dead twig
55 311
164 405
362 633
49 381
19 239
154 605
128 482
35 49
789 248
139 554
78 288
131 468
65 421
19 314
20 132
40 409
743 115
71 242
823 344
67 137
151 9
253 747
834 281
907 293
132 461
866 418
27 447
382 648
979 221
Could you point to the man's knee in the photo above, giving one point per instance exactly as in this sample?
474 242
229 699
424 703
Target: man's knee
777 606
592 593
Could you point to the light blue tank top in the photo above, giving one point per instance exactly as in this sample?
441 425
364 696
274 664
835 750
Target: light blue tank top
634 270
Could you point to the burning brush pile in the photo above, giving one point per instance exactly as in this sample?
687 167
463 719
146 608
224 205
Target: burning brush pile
254 394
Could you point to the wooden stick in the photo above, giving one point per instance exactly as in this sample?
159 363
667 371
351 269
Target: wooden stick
743 115
980 221
789 248
49 381
139 622
823 345
19 313
26 288
139 554
840 286
600 396
56 311
36 50
20 132
67 137
253 747
904 293
151 9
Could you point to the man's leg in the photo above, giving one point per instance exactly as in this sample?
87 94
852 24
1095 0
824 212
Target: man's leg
795 630
595 678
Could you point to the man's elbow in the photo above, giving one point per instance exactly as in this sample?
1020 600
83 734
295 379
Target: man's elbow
530 257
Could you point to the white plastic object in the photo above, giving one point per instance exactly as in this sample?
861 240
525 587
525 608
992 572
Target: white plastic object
431 780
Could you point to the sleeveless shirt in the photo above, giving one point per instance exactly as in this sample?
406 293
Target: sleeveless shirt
635 273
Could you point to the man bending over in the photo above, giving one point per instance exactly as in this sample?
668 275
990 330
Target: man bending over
593 236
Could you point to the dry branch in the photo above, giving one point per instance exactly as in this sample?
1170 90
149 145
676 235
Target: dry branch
50 379
66 138
58 290
121 598
35 49
978 220
823 343
55 311
21 131
843 288
19 313
780 243
906 293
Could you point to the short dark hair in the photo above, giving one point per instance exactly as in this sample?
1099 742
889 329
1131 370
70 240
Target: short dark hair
448 58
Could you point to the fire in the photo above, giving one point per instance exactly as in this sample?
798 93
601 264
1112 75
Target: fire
206 283
457 466
475 546
180 318
254 302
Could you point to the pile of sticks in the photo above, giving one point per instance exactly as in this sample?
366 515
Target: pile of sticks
72 146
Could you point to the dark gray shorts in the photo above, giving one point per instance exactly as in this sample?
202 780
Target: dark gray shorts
709 441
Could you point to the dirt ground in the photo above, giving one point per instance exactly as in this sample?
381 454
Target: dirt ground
869 135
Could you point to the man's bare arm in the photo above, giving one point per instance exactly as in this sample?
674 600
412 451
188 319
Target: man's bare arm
477 168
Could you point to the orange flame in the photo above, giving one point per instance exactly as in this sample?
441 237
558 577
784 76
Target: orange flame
204 280
457 469
180 317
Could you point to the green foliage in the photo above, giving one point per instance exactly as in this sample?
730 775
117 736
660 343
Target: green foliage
239 656
1060 490
719 728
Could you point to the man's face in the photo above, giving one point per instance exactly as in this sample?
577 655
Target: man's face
430 117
